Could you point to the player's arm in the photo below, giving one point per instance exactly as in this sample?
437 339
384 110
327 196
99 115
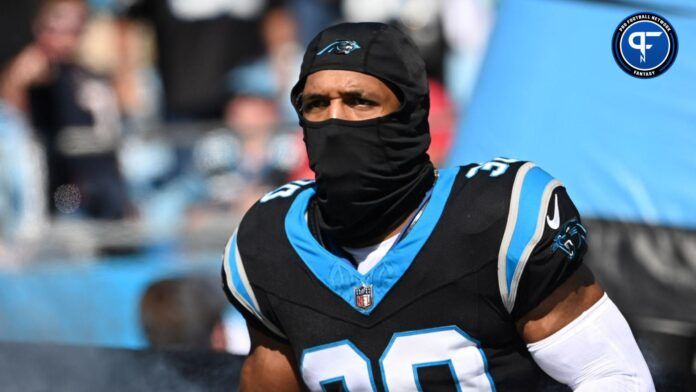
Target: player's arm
574 331
269 366
580 338
565 304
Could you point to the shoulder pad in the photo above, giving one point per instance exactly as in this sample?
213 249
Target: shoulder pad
272 207
485 189
529 198
515 194
494 170
248 257
285 191
236 282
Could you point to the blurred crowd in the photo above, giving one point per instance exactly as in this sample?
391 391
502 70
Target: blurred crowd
132 124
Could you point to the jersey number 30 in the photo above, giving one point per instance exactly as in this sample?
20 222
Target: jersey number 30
407 352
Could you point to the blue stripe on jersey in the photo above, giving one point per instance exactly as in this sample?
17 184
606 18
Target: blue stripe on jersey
528 209
339 275
237 284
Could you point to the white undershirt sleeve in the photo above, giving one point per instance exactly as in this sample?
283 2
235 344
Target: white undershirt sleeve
595 352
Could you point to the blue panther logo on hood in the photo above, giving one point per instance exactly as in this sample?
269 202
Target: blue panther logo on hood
340 47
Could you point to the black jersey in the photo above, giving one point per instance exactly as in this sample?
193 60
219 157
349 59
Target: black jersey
438 310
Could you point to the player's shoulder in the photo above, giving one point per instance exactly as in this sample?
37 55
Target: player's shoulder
487 189
267 215
501 173
260 240
255 252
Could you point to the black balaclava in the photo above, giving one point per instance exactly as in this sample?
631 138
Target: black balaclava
371 174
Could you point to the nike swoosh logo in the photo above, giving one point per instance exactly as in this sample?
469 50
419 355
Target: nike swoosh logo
556 221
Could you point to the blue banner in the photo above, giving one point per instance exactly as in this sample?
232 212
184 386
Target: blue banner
550 91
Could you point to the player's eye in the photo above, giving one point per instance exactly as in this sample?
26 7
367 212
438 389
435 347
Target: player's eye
313 104
360 102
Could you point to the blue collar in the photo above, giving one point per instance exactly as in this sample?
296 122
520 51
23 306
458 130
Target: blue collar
338 274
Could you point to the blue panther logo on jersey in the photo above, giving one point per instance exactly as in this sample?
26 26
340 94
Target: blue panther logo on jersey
570 238
340 47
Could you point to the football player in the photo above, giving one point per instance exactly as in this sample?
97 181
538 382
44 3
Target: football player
386 274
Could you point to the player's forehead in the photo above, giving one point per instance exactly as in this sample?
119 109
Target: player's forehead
329 82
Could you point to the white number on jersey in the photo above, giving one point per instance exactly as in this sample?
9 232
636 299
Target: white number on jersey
399 364
496 167
333 362
286 190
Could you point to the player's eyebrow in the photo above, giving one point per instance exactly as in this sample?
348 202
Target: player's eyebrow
359 94
345 94
312 97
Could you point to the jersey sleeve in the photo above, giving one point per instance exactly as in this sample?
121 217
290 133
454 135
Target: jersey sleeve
544 241
252 304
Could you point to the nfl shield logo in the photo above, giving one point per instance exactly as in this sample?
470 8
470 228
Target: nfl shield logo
363 296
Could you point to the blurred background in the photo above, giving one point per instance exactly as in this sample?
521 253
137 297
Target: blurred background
134 134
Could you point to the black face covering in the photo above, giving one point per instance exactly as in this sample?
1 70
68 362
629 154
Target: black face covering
370 175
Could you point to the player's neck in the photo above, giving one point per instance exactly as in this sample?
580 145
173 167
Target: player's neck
389 234
402 227
399 228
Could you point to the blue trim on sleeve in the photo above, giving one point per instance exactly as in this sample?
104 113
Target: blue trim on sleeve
236 278
528 210
341 277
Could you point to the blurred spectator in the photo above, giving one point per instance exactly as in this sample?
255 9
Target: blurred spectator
252 155
315 16
22 187
275 70
282 59
197 42
74 112
420 19
184 313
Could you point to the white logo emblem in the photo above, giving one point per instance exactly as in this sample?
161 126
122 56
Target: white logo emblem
556 221
642 46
